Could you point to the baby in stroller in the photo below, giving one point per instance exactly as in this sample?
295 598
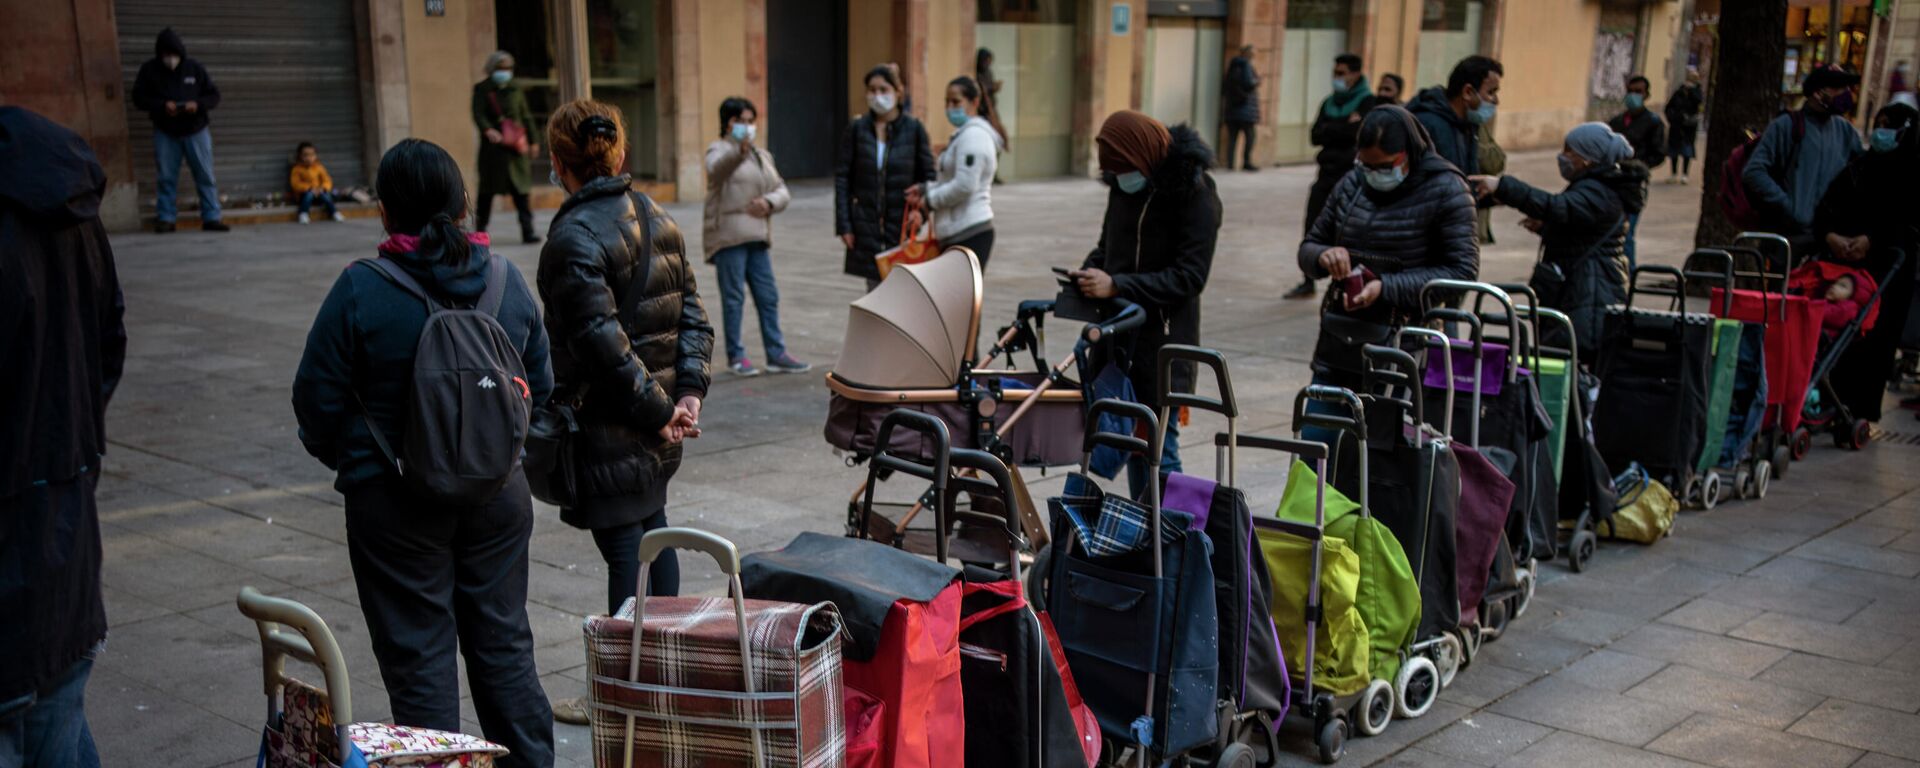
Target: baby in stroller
1841 288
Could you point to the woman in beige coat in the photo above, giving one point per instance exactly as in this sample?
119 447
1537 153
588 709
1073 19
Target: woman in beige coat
744 191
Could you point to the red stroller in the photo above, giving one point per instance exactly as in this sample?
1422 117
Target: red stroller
1822 409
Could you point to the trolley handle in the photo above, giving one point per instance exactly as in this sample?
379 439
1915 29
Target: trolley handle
1201 357
931 429
1127 443
1390 371
1354 424
993 479
1533 303
724 553
1482 291
1566 324
1724 275
1304 449
1130 317
291 629
1437 339
1677 295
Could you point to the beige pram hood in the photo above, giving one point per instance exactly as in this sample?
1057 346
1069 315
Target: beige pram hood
917 329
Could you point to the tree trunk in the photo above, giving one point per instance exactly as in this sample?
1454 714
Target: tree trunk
1749 53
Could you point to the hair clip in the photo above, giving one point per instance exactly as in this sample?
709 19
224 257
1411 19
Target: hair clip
596 125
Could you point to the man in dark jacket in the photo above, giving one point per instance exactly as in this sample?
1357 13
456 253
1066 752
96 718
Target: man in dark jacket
176 93
1242 89
1334 131
62 343
1156 248
1645 131
1453 116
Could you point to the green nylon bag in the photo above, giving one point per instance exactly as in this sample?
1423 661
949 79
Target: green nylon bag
1554 390
1726 363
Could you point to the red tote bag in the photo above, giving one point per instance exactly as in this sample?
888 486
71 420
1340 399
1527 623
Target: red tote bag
916 672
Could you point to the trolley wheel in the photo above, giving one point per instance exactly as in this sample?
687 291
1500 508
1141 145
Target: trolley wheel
1690 493
1762 478
1524 598
1375 710
1236 755
1580 550
1493 620
1332 740
1417 686
1802 442
1742 481
1855 437
1469 644
1710 490
1448 657
1781 460
1037 579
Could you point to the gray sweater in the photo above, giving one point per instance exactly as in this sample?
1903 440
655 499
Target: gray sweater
1826 148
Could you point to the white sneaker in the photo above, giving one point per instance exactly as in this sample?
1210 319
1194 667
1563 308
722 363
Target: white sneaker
303 218
338 217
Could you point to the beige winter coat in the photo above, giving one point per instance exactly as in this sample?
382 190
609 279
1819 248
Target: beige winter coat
735 179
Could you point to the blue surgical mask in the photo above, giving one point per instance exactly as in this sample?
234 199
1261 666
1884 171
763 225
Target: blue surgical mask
1384 179
1635 102
1340 85
1482 114
1131 182
742 132
1884 139
553 177
957 116
501 76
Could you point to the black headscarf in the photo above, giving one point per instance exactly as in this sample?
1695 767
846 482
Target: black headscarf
1393 129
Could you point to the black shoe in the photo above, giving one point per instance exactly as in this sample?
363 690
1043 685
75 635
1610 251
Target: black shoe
529 239
1305 290
1250 168
162 227
214 226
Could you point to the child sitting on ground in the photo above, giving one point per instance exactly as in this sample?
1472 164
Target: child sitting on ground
311 183
1841 307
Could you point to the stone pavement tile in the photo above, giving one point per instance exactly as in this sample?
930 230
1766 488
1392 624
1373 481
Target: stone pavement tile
1863 727
1570 706
1610 671
1896 616
1780 518
1838 578
1732 527
1796 600
1587 627
1633 601
1731 744
1711 554
1564 749
1531 650
1877 760
1482 684
1403 733
1698 649
1895 515
1710 616
1878 686
124 608
1908 542
1864 646
1484 739
1863 534
1903 564
138 724
1420 758
1763 704
148 569
212 667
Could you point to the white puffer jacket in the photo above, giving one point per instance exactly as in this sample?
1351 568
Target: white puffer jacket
961 195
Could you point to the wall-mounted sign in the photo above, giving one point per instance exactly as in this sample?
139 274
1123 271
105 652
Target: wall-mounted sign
436 7
1122 19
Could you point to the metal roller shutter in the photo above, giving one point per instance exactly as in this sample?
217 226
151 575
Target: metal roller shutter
287 72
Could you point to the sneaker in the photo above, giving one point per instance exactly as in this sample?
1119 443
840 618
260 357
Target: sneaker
572 711
304 218
743 367
786 364
214 226
162 227
338 217
1249 168
1305 290
529 238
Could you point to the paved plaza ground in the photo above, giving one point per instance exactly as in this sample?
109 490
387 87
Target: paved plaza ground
1783 632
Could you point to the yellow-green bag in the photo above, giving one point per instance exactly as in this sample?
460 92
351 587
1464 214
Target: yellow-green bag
1340 649
1645 511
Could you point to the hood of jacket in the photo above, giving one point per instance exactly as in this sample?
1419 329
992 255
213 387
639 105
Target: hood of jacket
977 122
1434 101
1188 159
458 283
1628 180
169 42
51 172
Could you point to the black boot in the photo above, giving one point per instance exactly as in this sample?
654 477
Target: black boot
1305 290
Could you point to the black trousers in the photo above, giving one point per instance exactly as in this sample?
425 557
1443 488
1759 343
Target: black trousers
620 547
1234 132
981 244
435 580
484 212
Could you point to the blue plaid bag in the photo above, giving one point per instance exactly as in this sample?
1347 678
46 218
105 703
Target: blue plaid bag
1111 525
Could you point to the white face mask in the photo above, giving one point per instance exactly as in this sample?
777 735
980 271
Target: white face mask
881 103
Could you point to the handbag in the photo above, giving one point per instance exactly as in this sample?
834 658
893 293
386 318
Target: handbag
914 247
1549 280
1342 335
513 135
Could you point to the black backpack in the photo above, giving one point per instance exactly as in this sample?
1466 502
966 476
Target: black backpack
468 411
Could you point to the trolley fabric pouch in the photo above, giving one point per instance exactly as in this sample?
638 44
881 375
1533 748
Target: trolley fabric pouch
1023 709
1386 593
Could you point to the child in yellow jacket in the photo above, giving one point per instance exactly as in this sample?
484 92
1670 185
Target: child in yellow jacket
311 183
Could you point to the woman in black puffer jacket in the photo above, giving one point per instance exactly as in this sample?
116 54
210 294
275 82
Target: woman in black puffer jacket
884 152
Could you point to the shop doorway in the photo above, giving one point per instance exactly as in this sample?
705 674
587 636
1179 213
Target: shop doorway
1316 32
806 84
623 68
1185 64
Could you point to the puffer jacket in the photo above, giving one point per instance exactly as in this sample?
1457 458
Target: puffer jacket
734 179
869 197
1455 138
1242 91
962 196
1422 231
1584 234
626 359
1158 246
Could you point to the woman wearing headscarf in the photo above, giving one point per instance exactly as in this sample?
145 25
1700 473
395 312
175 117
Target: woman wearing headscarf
1155 249
1683 126
1866 215
1583 229
499 110
1400 218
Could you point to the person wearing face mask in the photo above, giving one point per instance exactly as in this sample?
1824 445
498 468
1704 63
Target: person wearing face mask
1683 126
883 153
1391 86
1155 250
1864 218
1800 154
1583 229
506 166
1400 217
961 196
1335 130
176 93
1647 134
1453 115
744 191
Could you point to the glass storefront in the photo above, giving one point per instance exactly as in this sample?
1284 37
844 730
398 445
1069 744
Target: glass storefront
1033 58
623 65
1316 32
1449 32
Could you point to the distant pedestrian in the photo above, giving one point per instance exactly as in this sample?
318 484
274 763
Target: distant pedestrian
983 74
1336 127
177 93
744 191
311 183
437 582
1453 115
62 343
1391 86
1647 134
1242 90
1683 126
960 198
1156 249
1897 82
506 125
617 286
883 152
1801 153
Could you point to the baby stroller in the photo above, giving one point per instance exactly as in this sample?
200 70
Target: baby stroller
1792 338
1823 409
1735 450
1653 384
309 727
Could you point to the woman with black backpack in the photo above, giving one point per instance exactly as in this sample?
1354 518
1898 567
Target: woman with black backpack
438 579
635 344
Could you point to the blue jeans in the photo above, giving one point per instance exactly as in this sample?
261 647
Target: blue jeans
321 196
1169 460
1633 231
746 267
48 729
197 150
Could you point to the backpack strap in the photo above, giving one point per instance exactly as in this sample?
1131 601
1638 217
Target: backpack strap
496 291
398 276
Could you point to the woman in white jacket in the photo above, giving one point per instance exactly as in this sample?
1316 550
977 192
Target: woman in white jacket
744 191
960 196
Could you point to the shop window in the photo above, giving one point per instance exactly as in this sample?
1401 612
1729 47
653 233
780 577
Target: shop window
623 65
1319 14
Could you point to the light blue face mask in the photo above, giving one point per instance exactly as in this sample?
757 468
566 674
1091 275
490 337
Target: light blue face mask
501 76
1340 84
957 116
553 177
1131 182
1884 139
1482 114
1635 102
742 131
1384 179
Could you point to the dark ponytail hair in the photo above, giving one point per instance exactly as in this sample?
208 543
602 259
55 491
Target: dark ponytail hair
972 90
422 193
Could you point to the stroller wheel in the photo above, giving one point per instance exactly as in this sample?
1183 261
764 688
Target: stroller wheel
1781 459
1524 598
1448 656
1691 492
1418 686
1802 442
1742 481
1762 477
1580 550
1332 740
1493 620
1853 437
1710 490
1375 710
1236 755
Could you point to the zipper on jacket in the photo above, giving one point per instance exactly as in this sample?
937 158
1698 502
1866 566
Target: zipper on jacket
1139 239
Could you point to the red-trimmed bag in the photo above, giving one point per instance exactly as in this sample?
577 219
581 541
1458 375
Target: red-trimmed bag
1022 703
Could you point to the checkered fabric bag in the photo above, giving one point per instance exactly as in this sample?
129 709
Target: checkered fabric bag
688 705
1109 525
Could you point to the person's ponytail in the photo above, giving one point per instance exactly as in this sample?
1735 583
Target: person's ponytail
444 238
423 194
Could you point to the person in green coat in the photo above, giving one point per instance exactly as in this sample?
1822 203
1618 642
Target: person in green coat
506 168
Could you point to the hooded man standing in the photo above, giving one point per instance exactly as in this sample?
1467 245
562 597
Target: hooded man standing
176 93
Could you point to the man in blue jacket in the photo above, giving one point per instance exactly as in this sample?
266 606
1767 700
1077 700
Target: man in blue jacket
1453 116
177 93
1799 155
